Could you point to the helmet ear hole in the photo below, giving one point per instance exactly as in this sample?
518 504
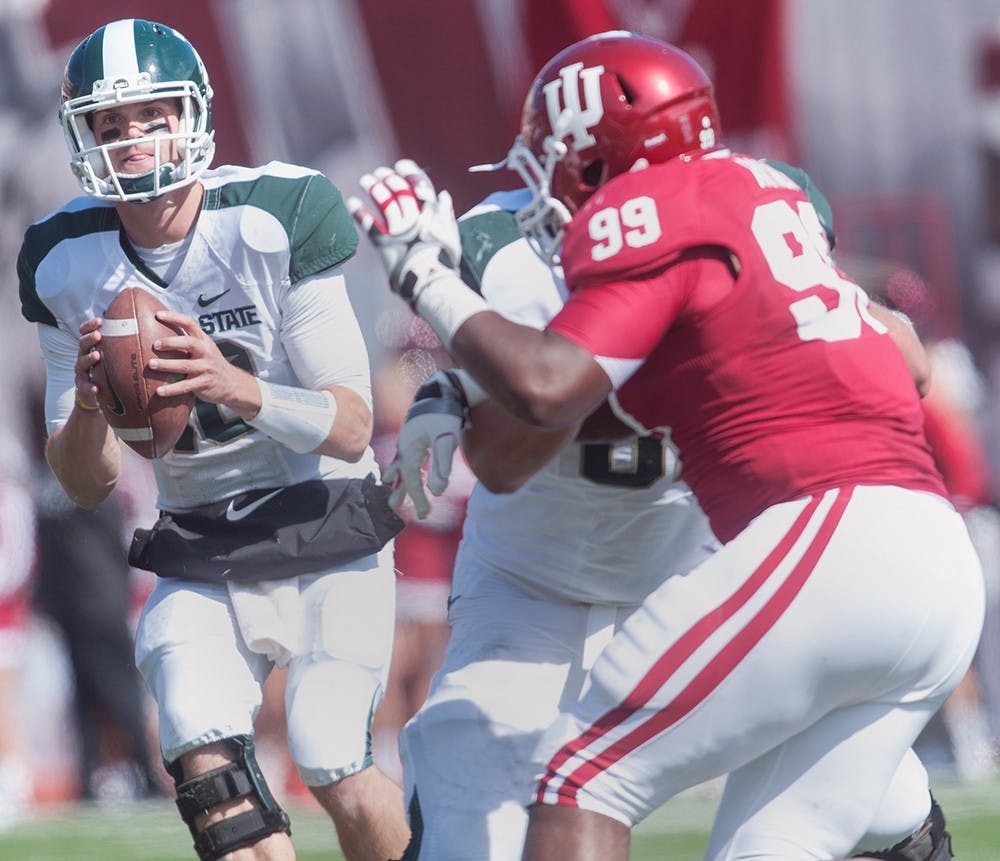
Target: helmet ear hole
626 90
593 173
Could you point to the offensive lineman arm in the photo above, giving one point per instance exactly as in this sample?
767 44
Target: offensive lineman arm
503 453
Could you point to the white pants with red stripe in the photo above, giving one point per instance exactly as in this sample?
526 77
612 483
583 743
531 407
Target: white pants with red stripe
804 658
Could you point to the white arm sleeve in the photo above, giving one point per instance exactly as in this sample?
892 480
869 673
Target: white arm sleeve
60 351
321 334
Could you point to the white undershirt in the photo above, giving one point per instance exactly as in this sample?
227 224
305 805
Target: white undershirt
165 260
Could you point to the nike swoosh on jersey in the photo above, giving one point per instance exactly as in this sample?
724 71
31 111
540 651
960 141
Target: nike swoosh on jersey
204 303
235 514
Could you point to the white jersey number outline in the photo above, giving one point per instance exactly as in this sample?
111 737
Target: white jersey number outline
792 240
608 227
794 246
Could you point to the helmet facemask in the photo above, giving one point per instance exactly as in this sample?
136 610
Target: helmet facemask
543 219
91 161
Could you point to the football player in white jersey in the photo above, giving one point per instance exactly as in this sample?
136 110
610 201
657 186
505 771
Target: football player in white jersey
550 565
274 545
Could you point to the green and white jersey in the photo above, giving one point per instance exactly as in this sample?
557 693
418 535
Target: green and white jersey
598 522
256 275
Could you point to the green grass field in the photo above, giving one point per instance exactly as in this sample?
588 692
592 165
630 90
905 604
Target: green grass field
678 832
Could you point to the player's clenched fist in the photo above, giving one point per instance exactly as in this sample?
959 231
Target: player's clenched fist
411 226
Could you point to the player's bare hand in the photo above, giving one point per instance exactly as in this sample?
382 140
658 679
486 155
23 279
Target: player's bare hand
89 356
201 368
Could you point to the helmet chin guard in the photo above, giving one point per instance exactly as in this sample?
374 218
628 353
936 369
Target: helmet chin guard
128 62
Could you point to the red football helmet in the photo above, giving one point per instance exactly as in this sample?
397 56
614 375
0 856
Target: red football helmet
606 105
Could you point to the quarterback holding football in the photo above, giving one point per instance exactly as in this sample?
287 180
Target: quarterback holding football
274 544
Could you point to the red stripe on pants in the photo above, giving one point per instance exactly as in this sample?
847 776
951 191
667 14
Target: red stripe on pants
727 659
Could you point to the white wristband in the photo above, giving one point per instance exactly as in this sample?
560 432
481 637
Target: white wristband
446 303
298 418
474 393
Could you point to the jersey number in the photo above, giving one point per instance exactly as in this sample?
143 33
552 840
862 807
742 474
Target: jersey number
635 223
209 417
790 237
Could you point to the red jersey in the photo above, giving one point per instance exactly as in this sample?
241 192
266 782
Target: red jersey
774 380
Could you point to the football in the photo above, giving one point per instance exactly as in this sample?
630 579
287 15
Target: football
146 422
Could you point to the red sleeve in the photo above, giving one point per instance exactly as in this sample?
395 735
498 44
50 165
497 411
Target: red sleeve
623 319
627 319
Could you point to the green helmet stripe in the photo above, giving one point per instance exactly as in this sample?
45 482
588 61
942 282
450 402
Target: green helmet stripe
86 65
119 49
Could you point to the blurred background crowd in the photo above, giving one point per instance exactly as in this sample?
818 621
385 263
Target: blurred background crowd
892 106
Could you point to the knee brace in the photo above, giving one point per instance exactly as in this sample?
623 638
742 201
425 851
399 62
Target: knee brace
239 779
930 842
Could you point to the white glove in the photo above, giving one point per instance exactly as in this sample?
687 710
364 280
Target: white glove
412 227
433 429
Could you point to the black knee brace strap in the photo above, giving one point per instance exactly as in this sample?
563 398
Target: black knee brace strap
240 779
235 832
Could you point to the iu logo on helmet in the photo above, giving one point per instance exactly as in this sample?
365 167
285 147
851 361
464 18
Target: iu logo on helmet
567 116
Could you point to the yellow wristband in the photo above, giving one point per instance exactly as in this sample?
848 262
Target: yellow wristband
84 406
